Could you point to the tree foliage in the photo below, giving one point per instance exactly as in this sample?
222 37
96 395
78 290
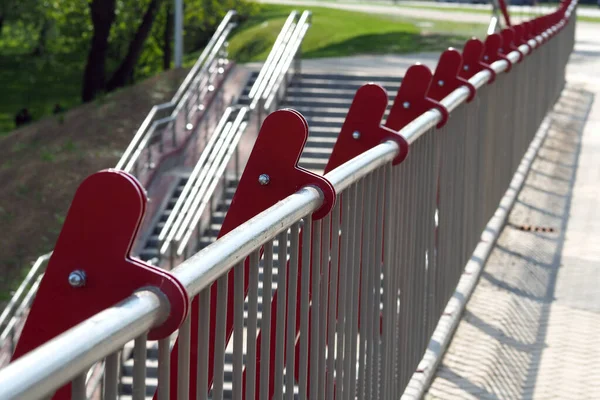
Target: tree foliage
116 41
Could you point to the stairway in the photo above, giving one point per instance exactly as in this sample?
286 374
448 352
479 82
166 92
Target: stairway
324 100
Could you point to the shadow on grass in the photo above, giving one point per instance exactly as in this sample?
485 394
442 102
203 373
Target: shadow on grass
388 43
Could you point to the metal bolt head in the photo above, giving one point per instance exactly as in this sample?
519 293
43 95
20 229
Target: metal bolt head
77 278
486 58
356 135
406 104
466 67
440 83
264 179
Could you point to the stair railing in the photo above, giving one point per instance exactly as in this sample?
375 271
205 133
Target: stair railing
185 219
168 124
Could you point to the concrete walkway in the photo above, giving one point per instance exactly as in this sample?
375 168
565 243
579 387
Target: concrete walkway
531 328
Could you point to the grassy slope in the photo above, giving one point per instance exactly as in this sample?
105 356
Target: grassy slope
42 164
337 33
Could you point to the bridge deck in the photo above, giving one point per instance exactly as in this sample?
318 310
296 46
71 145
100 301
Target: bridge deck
530 330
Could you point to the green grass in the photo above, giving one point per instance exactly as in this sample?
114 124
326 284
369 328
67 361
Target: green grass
338 33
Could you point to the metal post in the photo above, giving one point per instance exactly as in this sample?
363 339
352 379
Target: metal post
178 16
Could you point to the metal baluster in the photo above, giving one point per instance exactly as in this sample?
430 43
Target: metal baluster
111 376
183 360
363 292
265 323
349 289
78 388
378 270
251 330
332 306
220 332
342 304
304 304
203 343
355 288
280 317
238 330
324 286
139 367
313 382
292 295
164 360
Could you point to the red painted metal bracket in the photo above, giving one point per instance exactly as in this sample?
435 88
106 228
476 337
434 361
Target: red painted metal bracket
508 44
491 52
276 154
362 129
271 175
520 37
446 77
472 60
91 270
412 101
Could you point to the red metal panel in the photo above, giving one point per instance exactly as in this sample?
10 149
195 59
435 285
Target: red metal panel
508 45
492 50
96 238
446 78
412 101
472 60
362 129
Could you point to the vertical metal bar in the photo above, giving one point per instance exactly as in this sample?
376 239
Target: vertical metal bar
111 376
183 360
377 389
372 316
220 337
203 346
280 317
238 330
313 382
332 306
164 359
78 388
388 311
139 367
355 289
304 304
291 312
342 304
349 363
265 323
324 286
364 288
251 327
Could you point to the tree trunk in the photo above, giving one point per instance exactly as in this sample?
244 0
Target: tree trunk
1 23
168 38
103 16
123 73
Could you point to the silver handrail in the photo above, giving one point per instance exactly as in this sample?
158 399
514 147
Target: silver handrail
67 356
286 61
173 107
190 189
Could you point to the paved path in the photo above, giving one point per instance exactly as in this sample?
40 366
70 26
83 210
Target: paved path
531 328
423 13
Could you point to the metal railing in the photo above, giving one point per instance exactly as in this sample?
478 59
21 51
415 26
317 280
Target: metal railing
168 124
197 195
189 99
370 279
